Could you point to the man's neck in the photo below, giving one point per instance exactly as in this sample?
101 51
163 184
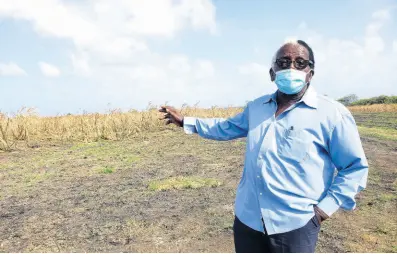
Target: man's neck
289 99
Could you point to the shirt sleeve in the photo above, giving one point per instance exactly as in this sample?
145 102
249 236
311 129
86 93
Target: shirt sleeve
348 156
218 128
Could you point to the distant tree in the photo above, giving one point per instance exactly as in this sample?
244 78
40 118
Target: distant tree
382 99
348 99
379 100
391 100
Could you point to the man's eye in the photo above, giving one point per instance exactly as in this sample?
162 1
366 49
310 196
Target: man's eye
283 61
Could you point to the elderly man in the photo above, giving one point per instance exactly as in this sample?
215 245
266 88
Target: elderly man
296 140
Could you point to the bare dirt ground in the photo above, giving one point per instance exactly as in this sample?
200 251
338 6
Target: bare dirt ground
95 197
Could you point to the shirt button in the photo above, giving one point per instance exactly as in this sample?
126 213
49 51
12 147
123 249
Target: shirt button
260 193
258 176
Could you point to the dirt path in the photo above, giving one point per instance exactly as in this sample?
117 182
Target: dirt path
95 198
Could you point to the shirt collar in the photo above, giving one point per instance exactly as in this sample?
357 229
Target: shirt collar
270 97
309 98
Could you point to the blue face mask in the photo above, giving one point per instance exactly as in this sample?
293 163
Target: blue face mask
290 81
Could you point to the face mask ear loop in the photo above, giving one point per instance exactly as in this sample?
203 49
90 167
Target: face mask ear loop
310 70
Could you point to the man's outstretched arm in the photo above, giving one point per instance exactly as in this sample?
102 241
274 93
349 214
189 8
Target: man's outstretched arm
210 128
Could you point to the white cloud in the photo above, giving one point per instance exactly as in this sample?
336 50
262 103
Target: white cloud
374 42
204 69
345 66
51 17
253 68
116 26
49 70
110 45
11 69
255 72
110 38
80 63
381 14
395 46
179 64
148 73
201 14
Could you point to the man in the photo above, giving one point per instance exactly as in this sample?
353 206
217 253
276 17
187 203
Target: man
296 139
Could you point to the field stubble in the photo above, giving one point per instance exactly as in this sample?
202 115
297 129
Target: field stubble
26 127
149 188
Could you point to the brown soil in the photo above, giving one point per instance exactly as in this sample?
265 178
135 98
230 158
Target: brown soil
60 198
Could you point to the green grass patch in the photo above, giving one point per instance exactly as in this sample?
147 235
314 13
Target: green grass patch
33 179
84 146
7 165
107 170
375 177
183 183
239 143
129 158
386 197
381 133
96 149
381 230
119 154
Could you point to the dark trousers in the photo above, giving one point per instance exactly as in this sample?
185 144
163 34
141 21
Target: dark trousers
304 239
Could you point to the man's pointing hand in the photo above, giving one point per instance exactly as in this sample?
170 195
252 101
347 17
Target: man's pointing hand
172 116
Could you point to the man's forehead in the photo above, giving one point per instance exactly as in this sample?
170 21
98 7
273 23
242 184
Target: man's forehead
293 49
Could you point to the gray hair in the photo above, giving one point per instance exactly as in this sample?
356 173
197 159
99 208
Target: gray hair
287 42
297 42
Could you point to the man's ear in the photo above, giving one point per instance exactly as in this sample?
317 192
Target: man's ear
272 74
310 76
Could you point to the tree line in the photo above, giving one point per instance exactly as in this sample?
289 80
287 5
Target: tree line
353 100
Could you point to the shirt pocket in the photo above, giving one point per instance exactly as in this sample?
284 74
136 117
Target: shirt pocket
295 145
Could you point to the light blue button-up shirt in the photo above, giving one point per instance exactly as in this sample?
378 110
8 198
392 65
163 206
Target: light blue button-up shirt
291 160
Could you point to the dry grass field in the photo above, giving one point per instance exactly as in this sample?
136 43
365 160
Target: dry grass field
122 181
391 108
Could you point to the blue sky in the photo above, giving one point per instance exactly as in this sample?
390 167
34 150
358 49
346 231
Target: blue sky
73 56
